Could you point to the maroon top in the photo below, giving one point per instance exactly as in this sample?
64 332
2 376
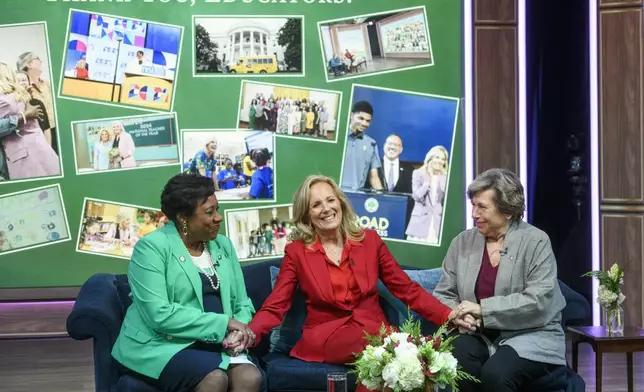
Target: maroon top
485 289
487 278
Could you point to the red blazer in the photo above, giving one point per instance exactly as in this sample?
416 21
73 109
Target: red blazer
371 260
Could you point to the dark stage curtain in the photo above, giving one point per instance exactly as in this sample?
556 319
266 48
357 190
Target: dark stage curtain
558 126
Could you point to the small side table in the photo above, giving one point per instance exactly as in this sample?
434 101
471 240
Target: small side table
631 341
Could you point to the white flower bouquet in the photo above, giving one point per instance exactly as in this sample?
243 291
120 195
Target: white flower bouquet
407 361
610 296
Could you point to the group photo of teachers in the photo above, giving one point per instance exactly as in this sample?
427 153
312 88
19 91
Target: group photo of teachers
240 163
398 152
113 230
125 143
289 111
29 147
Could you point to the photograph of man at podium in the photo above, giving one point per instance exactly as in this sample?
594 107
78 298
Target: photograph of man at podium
135 66
129 62
396 191
395 175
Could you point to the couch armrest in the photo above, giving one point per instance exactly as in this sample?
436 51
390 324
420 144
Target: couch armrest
578 310
98 315
97 311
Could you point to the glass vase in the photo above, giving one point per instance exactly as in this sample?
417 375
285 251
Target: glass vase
614 320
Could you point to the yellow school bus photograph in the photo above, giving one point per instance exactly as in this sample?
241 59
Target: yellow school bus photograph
247 45
254 64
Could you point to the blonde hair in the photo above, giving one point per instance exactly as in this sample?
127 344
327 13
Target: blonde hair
100 135
122 217
9 85
22 73
433 152
303 229
120 125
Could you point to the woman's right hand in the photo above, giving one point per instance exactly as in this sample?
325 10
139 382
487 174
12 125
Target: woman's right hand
33 112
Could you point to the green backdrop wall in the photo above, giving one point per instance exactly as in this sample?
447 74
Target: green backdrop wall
205 103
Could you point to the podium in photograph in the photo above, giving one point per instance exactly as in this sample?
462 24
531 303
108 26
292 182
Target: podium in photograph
387 213
147 90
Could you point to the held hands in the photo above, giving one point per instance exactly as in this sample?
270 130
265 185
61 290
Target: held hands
232 343
239 337
470 308
466 316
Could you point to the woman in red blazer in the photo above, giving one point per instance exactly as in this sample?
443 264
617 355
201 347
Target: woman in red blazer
337 265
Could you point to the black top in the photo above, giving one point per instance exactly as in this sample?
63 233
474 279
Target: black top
211 298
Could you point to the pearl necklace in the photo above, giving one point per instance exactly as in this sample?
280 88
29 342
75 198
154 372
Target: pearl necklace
211 265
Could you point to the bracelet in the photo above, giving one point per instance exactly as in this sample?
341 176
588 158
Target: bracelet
24 119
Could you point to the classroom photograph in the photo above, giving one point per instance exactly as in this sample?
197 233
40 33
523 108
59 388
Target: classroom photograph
137 142
112 229
259 233
240 163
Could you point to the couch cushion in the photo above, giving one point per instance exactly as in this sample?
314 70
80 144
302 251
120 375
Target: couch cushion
258 280
284 336
428 279
289 374
577 308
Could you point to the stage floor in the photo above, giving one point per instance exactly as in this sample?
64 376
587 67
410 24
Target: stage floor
65 365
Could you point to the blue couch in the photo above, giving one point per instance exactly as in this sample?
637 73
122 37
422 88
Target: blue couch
103 300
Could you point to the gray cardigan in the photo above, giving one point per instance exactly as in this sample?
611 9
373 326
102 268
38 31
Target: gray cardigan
527 301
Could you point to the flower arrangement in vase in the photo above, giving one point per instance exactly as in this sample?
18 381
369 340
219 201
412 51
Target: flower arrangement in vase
610 297
407 361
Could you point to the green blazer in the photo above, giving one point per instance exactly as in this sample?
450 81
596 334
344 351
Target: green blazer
167 313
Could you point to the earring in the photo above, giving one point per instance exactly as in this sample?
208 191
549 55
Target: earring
184 229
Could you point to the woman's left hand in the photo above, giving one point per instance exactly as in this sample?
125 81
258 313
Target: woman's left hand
234 341
467 307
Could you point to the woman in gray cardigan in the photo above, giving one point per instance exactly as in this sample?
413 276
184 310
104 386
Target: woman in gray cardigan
504 274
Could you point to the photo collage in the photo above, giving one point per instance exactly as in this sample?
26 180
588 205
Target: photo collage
396 145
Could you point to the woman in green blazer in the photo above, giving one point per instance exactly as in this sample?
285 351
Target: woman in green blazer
189 300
